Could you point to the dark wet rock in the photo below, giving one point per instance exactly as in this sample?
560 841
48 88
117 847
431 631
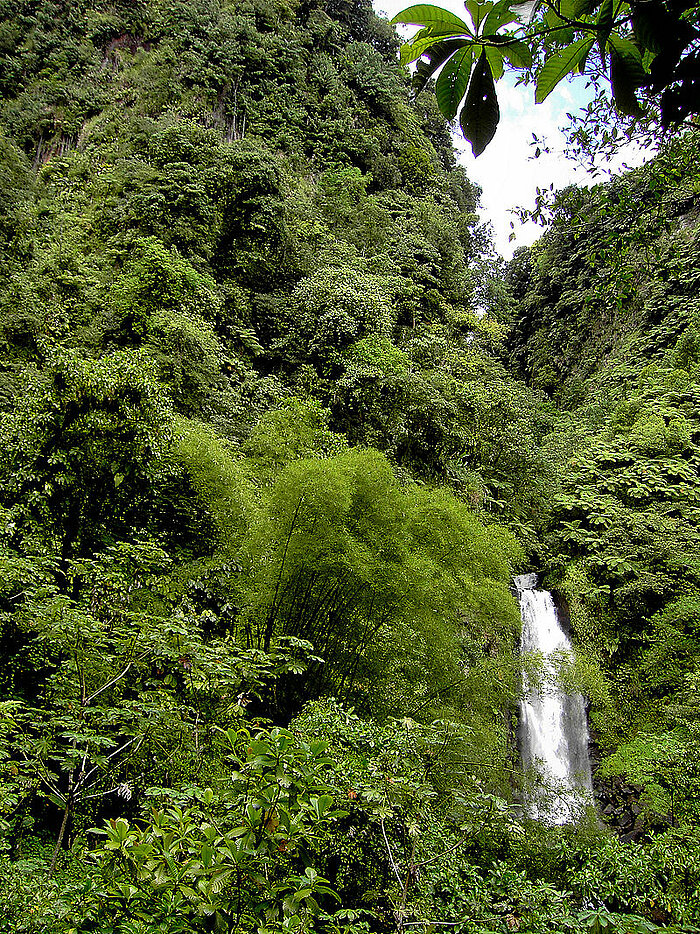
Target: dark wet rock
618 801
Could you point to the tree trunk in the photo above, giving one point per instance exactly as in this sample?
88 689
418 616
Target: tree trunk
61 834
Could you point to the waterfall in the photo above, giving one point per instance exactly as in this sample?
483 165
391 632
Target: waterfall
553 724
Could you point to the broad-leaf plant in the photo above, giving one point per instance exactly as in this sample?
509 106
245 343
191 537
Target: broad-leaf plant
649 47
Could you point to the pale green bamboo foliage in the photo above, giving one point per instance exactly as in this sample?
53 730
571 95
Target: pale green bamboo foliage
384 580
297 429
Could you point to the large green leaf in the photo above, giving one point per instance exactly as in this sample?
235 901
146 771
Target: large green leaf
630 53
626 74
517 53
436 56
478 10
566 8
453 81
495 58
437 31
501 14
412 50
480 114
651 22
425 14
605 19
624 86
424 38
560 65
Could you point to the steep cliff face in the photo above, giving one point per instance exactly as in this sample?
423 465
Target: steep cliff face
613 283
249 138
248 195
234 248
250 420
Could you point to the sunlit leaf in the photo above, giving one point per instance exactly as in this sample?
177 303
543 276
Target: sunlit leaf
425 14
410 51
626 75
567 8
433 58
495 59
561 64
517 53
453 80
478 11
497 17
422 41
604 20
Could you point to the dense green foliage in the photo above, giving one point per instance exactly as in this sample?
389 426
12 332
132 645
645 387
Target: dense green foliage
275 437
607 319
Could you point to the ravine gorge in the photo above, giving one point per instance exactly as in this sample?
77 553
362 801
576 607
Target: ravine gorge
279 430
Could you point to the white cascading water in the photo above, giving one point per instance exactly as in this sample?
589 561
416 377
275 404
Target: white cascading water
553 724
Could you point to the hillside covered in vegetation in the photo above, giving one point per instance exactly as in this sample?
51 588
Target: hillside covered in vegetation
278 429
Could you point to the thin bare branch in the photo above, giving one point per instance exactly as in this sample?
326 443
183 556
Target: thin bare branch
114 680
391 855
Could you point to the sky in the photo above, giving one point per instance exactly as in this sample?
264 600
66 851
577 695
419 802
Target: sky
507 171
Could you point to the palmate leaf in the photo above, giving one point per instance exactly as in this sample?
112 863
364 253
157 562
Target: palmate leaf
453 81
436 56
423 40
480 114
560 65
425 14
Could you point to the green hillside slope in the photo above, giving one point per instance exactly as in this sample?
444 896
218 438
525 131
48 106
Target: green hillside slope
275 436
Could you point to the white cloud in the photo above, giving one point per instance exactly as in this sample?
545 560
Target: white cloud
508 172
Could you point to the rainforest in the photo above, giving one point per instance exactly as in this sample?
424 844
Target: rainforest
279 429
